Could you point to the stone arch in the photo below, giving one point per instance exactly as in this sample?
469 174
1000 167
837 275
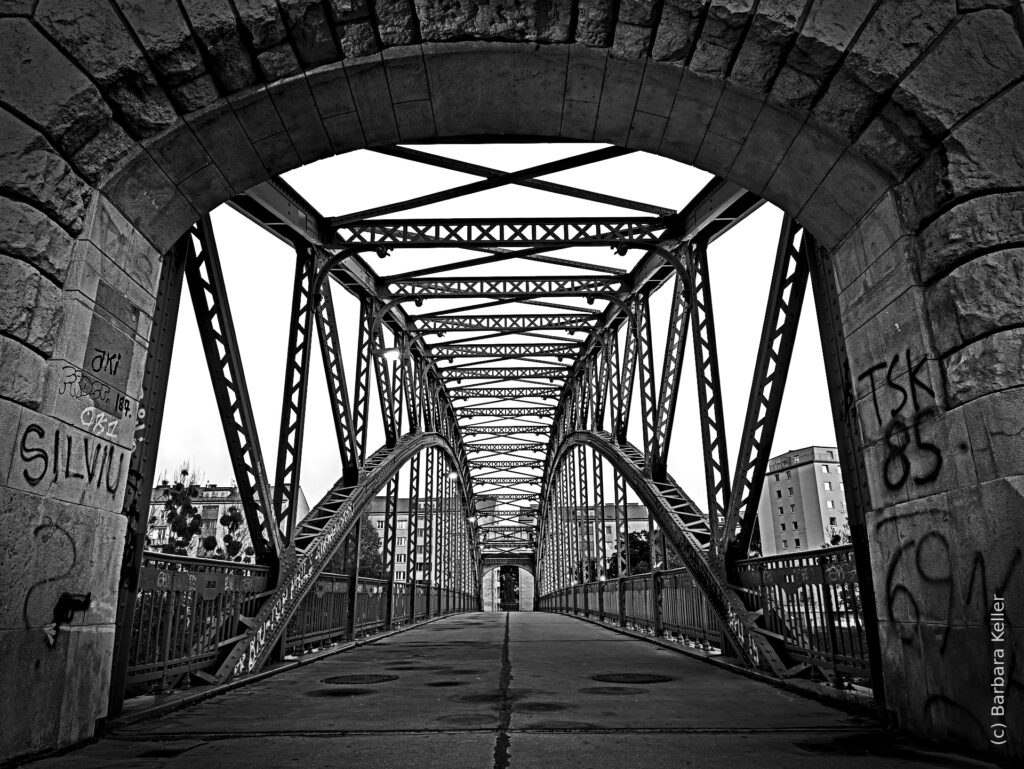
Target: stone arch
891 130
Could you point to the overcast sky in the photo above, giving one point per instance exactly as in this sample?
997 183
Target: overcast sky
259 271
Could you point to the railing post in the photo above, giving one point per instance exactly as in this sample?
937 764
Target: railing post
830 618
353 580
622 602
659 627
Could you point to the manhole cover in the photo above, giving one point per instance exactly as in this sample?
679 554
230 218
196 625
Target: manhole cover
359 678
631 678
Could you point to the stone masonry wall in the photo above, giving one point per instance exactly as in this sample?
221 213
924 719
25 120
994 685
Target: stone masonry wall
891 128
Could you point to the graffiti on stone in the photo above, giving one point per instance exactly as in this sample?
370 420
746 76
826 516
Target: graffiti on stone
62 555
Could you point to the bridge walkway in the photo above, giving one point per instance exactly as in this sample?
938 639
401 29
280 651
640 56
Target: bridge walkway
506 690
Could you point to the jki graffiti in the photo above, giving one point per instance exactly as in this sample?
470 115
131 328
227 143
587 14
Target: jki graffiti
61 456
901 405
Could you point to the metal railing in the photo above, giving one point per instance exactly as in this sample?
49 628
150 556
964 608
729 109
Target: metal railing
188 610
810 602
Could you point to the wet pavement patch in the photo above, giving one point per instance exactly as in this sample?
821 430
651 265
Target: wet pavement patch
620 690
346 692
631 678
540 707
443 683
468 719
358 678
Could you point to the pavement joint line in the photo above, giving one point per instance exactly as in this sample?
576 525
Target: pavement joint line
187 700
859 707
503 742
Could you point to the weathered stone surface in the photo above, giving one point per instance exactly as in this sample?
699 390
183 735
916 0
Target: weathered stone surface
396 22
294 103
262 21
978 298
278 62
357 39
30 307
546 22
31 235
307 23
17 7
22 373
95 36
772 29
631 41
639 12
100 156
165 35
216 26
677 30
893 38
989 365
30 167
985 151
827 31
723 29
995 424
196 94
349 10
972 226
42 84
979 56
595 20
225 141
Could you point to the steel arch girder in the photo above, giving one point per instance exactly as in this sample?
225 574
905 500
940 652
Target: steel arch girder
738 623
337 512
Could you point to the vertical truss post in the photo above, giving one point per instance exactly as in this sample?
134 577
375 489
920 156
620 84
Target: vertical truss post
627 374
574 517
445 553
337 386
429 503
611 354
412 533
601 388
142 466
361 405
648 402
709 394
412 391
397 388
588 575
844 415
390 535
600 533
671 371
293 401
785 300
217 332
385 393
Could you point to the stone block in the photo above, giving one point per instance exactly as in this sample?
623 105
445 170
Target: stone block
977 298
257 114
771 33
974 226
34 237
579 119
144 194
851 188
295 105
262 20
101 155
217 27
33 726
646 132
988 365
677 30
767 142
39 82
720 37
415 120
584 77
206 189
164 33
894 140
847 104
278 61
658 89
22 374
595 20
277 152
464 79
981 55
310 30
407 74
100 43
30 305
827 32
631 41
358 39
195 94
31 169
178 152
330 89
618 100
124 249
396 22
694 106
475 19
995 426
221 135
640 12
369 88
345 132
793 88
807 162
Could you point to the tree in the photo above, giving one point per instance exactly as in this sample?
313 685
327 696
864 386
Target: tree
639 555
371 563
837 535
184 523
230 547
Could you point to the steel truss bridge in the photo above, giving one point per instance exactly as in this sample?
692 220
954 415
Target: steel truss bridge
509 417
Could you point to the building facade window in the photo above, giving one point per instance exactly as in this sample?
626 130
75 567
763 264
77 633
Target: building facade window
781 511
796 525
778 493
400 558
790 491
380 524
782 526
401 540
796 542
830 504
828 485
824 469
789 474
785 545
832 520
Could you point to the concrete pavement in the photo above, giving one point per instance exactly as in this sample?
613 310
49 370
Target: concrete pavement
512 691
